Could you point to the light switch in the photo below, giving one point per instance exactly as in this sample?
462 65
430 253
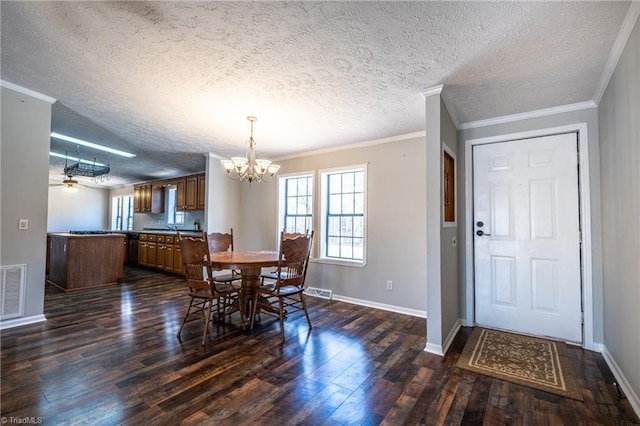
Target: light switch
23 224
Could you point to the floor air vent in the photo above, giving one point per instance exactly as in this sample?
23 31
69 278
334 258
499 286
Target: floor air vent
318 292
12 291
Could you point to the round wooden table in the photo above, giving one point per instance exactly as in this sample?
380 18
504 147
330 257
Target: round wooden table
250 264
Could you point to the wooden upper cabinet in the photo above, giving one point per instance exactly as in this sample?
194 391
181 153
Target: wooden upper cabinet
201 192
188 193
148 198
137 199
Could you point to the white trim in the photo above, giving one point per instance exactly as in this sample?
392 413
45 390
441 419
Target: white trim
22 321
432 348
27 92
377 305
598 347
465 323
434 90
390 139
585 219
451 336
281 201
454 224
323 173
617 49
622 381
528 115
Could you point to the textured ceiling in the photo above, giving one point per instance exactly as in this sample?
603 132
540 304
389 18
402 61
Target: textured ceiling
170 81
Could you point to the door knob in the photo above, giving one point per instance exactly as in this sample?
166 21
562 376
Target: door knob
480 224
479 233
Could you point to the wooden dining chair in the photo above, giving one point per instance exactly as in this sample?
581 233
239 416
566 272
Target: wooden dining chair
288 287
206 295
222 242
272 275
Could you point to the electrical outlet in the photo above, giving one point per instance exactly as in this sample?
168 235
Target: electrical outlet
389 285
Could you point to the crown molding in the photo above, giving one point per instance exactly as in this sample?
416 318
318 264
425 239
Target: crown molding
430 91
398 138
527 115
618 47
27 92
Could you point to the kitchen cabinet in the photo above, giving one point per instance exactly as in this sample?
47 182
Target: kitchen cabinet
190 193
201 192
160 251
148 198
80 262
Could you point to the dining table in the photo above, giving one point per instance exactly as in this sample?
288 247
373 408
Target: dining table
250 264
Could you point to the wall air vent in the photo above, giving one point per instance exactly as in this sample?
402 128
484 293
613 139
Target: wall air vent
12 279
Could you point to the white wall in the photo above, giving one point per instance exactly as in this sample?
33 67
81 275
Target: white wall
619 119
87 209
24 169
222 210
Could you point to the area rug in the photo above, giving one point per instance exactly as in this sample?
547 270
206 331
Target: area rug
537 363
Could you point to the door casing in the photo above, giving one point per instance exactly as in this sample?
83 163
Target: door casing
585 220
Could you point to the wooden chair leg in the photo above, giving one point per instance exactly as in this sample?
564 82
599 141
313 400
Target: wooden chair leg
206 323
184 320
281 303
304 307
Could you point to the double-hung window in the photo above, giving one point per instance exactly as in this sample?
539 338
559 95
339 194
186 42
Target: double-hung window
343 208
296 203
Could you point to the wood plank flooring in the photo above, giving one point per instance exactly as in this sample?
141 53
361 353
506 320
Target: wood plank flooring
111 356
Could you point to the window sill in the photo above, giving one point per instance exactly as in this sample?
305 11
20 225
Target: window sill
340 262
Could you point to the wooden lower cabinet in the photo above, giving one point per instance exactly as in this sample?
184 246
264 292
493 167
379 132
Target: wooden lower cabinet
160 252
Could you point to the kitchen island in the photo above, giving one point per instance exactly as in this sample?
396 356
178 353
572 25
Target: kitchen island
85 261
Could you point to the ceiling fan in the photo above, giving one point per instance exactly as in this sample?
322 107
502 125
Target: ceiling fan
69 184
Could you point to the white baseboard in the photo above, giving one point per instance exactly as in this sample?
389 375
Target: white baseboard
442 349
21 321
434 349
451 336
383 306
596 347
631 395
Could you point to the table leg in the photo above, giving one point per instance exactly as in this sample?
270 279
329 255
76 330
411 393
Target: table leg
250 283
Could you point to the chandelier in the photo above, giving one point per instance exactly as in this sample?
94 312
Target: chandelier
248 168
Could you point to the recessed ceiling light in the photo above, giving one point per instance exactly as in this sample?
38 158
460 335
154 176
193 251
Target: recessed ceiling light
68 157
91 145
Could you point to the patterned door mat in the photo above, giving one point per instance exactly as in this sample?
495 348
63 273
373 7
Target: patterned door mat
529 361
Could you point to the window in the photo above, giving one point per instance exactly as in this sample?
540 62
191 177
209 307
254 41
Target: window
296 203
344 215
174 217
122 213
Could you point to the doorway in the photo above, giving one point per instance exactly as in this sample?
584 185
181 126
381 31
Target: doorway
585 298
527 236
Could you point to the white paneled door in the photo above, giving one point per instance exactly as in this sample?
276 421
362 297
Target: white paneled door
526 236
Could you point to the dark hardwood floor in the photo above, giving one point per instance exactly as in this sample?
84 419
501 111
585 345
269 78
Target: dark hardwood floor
111 356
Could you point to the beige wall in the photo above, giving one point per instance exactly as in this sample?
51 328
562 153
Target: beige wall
24 169
86 209
395 224
619 119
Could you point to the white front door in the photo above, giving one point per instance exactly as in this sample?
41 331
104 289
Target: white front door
526 236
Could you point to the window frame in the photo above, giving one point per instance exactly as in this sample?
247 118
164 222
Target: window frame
120 217
324 205
173 214
282 194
